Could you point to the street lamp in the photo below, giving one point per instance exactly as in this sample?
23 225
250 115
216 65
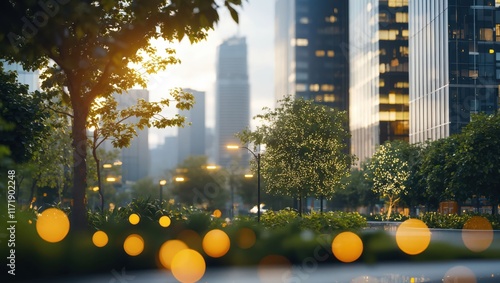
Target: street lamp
162 183
257 158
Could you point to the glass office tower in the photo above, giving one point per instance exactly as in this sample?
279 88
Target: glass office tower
454 64
311 53
378 51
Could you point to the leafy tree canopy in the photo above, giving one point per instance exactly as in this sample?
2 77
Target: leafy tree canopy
306 148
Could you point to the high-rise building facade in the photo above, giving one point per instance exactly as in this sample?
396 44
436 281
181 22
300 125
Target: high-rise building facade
191 138
232 99
311 51
454 64
379 80
30 78
135 158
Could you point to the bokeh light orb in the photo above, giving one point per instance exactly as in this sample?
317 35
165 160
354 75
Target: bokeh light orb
168 250
477 234
134 219
100 239
216 243
164 221
459 274
413 236
245 238
52 225
217 213
347 247
133 245
188 266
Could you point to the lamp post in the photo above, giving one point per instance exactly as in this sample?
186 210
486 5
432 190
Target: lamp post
162 183
257 158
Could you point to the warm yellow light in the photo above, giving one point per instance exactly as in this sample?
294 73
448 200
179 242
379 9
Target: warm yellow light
217 213
232 146
100 239
133 245
95 189
245 238
168 250
492 51
107 166
111 179
477 234
211 167
413 236
216 243
52 225
163 182
134 219
248 176
179 179
164 221
347 247
188 266
117 163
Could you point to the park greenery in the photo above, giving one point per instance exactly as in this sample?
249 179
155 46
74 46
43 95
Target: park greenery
90 50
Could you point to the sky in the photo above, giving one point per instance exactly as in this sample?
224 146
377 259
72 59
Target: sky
198 64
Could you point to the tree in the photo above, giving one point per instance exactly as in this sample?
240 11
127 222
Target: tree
88 50
306 148
24 116
389 171
200 187
357 192
479 158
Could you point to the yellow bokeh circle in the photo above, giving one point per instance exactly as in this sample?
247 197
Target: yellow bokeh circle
168 250
52 225
217 213
245 238
100 239
216 243
413 236
165 221
477 234
347 247
188 266
134 219
133 245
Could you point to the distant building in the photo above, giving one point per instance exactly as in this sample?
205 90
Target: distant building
378 52
232 99
135 158
30 78
191 138
454 64
164 157
311 51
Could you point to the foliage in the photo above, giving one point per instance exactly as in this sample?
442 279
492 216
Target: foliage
201 187
357 192
305 148
389 171
455 221
326 222
23 115
92 49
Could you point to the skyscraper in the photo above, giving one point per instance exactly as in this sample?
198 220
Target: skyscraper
455 64
311 51
232 98
135 158
378 51
192 137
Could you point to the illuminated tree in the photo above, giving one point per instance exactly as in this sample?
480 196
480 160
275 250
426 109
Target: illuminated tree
389 170
88 50
305 149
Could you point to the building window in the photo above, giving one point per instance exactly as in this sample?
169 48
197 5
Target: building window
330 53
331 19
302 42
320 53
314 87
329 98
401 17
327 87
486 34
300 87
304 20
398 3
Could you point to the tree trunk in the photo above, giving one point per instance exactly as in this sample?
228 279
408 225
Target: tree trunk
79 136
98 170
